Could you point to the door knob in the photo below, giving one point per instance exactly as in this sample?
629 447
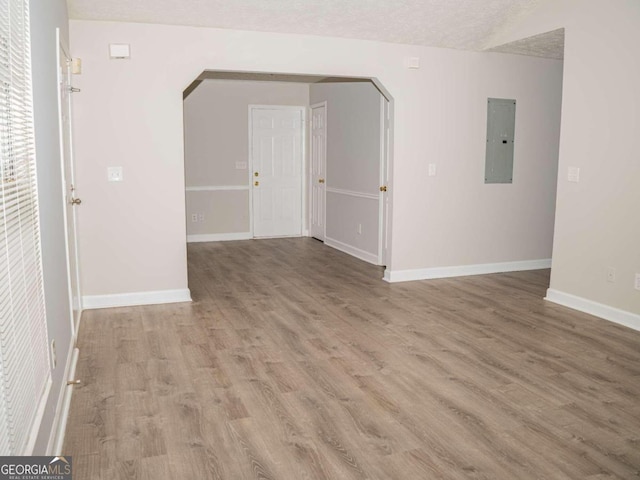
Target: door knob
75 201
383 188
256 183
321 180
255 174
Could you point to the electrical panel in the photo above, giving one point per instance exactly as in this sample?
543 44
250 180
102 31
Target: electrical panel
501 119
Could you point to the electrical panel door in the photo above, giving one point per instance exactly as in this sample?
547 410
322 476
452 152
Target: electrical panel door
501 118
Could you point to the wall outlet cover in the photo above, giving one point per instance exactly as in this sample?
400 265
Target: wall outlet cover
413 62
114 174
119 50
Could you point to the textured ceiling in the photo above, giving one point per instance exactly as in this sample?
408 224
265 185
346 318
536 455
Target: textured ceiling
461 24
547 45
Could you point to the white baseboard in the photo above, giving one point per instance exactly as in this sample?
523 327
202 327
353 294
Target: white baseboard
393 276
356 252
601 310
219 237
58 430
90 302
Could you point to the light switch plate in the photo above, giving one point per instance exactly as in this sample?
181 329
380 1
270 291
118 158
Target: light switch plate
241 165
573 174
432 169
114 174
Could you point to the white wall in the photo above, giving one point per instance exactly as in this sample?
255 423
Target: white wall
597 219
45 17
216 136
130 114
353 164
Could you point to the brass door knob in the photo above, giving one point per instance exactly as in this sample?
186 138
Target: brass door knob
75 201
256 183
321 180
255 174
383 188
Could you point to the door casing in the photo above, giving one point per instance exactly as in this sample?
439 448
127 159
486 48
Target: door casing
384 201
320 235
69 187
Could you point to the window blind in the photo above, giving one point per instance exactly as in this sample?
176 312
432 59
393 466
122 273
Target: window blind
24 357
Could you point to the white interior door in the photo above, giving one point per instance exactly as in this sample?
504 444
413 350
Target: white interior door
69 185
318 169
384 202
277 165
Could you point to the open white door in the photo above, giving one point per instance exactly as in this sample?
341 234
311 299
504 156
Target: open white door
384 202
71 201
318 170
277 165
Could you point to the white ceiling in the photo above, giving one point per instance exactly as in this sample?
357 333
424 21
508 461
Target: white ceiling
461 24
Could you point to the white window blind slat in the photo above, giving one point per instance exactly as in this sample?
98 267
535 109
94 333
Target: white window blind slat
24 355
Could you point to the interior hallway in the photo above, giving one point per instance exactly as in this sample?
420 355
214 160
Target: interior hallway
297 361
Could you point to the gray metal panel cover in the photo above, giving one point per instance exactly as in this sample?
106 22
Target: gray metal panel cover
501 117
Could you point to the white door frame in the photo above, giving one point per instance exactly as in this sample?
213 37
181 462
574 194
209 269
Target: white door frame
324 197
62 50
384 180
303 160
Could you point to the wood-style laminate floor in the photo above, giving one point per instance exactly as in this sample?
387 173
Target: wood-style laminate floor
296 361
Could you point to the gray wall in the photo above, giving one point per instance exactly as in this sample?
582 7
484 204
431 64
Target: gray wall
216 136
45 17
353 163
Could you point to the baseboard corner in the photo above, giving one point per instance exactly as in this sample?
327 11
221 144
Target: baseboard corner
600 310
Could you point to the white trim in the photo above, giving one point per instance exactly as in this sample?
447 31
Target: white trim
216 188
250 171
58 430
218 237
269 237
621 317
352 193
353 251
304 220
136 298
37 421
393 276
324 104
74 306
383 180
